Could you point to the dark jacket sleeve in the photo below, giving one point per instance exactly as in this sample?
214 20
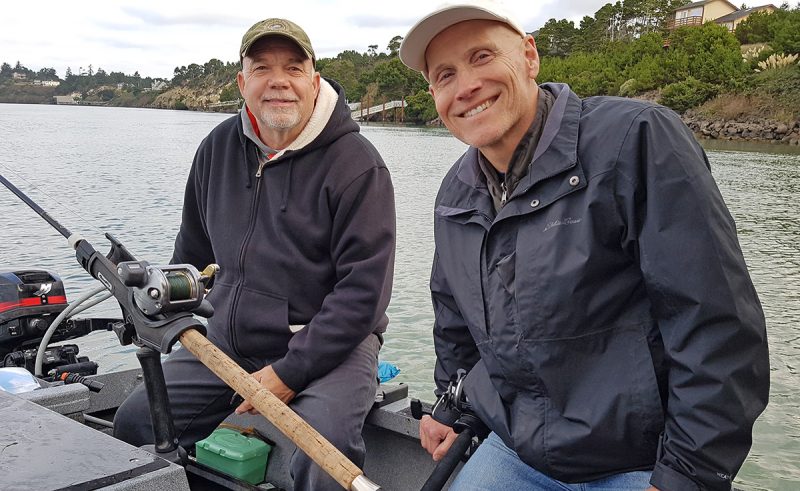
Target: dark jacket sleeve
454 345
362 248
707 310
192 245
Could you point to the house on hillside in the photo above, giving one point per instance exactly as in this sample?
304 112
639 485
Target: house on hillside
720 11
698 13
735 18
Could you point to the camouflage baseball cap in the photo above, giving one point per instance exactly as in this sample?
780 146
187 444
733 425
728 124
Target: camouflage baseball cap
277 27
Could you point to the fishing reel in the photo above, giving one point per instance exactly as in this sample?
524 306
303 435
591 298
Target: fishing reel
454 409
162 289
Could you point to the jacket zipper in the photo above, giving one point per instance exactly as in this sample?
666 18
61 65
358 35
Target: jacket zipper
237 294
504 196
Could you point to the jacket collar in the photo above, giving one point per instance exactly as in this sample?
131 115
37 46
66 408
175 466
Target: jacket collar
558 145
557 149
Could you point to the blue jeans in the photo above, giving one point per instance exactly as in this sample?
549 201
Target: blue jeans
495 466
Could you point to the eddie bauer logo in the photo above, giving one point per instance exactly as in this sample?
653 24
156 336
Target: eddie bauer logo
560 222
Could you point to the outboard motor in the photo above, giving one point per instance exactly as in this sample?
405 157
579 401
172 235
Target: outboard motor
29 301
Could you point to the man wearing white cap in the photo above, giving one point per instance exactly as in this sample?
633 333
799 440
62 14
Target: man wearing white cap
587 275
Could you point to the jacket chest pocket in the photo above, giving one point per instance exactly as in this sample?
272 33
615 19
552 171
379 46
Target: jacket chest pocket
552 266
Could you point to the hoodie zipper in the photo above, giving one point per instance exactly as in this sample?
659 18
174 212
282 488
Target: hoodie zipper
245 241
260 168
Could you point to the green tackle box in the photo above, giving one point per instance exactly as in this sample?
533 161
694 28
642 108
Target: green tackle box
234 454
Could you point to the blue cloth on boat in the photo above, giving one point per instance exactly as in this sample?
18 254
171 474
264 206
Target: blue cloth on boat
387 371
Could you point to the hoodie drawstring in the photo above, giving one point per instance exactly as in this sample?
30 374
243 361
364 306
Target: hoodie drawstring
286 184
246 165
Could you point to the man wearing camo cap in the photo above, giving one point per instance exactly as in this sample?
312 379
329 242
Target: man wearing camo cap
297 208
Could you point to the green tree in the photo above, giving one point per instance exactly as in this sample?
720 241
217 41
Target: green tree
229 93
587 74
101 77
557 37
586 39
713 53
755 28
785 31
691 92
344 72
22 69
46 74
420 108
394 45
213 66
395 80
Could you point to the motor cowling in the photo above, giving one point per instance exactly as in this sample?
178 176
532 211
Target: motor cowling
29 301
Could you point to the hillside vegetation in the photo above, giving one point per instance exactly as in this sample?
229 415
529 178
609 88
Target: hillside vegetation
624 50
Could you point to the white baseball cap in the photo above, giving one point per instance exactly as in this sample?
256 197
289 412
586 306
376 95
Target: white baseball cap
415 43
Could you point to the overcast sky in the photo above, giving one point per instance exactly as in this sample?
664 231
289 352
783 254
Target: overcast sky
155 36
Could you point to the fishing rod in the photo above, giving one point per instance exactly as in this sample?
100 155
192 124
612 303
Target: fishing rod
158 304
38 209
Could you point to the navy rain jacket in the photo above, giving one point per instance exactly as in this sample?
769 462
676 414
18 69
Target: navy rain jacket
606 314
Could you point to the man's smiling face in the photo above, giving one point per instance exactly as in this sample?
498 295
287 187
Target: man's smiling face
482 78
280 87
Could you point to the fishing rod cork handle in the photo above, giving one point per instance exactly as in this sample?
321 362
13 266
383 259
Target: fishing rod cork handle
303 435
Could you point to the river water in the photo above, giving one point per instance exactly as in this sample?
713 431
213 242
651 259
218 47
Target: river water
122 171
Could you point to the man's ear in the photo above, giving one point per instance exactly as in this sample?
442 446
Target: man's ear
430 91
240 82
315 81
531 57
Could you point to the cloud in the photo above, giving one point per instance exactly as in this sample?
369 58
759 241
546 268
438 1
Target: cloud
371 21
155 36
200 19
112 42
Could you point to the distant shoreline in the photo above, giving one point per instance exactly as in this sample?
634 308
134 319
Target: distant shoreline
749 129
